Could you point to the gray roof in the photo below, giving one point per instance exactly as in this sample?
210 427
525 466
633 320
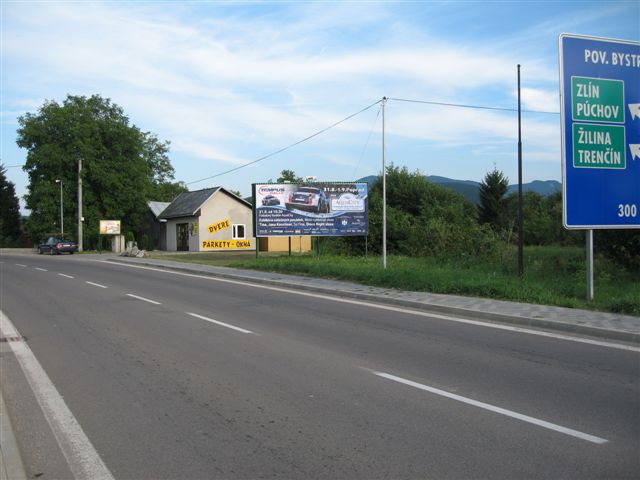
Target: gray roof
187 204
157 207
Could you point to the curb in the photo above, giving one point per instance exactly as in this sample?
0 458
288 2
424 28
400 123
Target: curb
11 466
589 330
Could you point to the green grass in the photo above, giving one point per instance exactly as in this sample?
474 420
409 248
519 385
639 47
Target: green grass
553 275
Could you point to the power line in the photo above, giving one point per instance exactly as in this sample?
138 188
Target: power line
287 147
478 107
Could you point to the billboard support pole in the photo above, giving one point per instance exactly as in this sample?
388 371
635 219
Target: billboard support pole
384 192
590 289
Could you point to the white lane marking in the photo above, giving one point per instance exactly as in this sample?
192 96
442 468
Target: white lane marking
143 299
96 285
558 336
65 276
81 456
19 265
222 324
42 269
492 408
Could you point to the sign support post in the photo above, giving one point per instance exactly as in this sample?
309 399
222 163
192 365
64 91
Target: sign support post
590 287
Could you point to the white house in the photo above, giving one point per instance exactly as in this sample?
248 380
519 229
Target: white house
212 219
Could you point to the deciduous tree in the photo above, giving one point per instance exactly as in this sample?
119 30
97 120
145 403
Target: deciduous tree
123 167
289 176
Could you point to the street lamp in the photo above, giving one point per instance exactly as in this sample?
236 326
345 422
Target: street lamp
61 210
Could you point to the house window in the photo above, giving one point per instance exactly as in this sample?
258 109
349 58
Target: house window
238 232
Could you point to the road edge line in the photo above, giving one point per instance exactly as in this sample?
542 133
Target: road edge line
82 458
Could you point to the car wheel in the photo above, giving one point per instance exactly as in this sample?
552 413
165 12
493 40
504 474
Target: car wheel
70 253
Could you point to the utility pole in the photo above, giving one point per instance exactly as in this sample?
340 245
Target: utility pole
520 200
384 192
80 219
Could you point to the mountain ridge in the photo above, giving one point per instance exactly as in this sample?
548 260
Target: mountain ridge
470 189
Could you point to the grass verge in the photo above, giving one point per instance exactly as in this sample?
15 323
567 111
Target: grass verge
553 275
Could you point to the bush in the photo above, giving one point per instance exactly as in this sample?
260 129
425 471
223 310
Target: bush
423 219
145 242
622 246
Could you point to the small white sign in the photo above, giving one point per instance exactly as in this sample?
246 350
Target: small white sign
347 202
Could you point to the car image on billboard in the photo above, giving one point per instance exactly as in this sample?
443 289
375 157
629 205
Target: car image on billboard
309 199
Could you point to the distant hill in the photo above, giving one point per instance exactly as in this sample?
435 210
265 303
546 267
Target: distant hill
471 190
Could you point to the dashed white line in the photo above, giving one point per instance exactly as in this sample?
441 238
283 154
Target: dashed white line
83 460
20 265
222 324
96 285
42 269
492 408
65 276
540 333
143 299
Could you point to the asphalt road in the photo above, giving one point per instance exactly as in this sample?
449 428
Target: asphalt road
220 379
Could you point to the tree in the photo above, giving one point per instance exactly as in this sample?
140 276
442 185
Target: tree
289 176
423 219
492 209
123 167
9 211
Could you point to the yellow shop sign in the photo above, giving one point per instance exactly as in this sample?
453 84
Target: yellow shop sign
225 244
222 225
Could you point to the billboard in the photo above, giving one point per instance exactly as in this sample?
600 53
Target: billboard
330 209
109 227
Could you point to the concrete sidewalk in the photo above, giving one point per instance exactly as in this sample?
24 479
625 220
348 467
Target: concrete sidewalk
586 322
11 467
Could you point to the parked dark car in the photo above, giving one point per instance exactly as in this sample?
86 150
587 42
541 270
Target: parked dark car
311 199
55 245
270 200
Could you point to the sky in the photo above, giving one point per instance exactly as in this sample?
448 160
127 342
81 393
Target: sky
228 83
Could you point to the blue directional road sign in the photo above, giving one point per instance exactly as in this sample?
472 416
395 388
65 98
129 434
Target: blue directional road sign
600 108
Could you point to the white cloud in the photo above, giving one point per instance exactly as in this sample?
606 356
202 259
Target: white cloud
539 99
230 84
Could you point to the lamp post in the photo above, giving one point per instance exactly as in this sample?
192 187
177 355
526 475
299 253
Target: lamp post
61 210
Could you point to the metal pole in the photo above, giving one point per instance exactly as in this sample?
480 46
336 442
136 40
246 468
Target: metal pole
61 210
590 288
80 204
520 200
384 191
